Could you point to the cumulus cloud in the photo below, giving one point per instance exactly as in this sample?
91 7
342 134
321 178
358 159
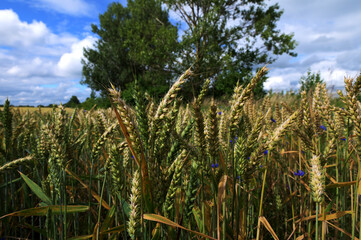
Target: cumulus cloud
70 63
13 32
34 36
38 66
282 80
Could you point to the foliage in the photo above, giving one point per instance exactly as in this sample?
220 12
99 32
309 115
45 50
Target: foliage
225 39
135 42
225 84
309 81
99 102
73 102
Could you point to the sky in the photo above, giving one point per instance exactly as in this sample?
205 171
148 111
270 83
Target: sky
41 44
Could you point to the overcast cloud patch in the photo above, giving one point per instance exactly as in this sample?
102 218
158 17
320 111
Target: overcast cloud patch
328 34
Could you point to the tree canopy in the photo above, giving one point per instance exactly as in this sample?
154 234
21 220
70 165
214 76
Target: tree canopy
135 42
224 40
73 102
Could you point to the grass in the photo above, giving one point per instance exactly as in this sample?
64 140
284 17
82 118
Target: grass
251 170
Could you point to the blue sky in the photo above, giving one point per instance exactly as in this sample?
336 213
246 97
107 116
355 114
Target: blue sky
41 44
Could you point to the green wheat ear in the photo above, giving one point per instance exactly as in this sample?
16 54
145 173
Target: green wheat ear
141 114
6 119
212 132
168 205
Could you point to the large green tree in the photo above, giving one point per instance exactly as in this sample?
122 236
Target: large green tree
225 40
135 42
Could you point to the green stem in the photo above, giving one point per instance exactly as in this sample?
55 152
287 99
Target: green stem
316 234
100 204
261 203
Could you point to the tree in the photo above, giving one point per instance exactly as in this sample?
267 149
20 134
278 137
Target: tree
100 102
135 42
226 39
73 102
309 81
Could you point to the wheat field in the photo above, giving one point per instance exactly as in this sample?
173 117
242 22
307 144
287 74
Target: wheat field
24 110
254 169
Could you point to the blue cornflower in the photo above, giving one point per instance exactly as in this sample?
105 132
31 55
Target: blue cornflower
235 138
265 152
132 156
230 141
343 139
273 120
214 165
323 127
249 158
220 113
299 173
84 111
261 166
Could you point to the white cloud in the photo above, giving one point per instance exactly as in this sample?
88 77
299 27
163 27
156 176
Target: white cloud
38 66
70 63
13 32
34 36
71 7
36 95
31 68
282 80
328 34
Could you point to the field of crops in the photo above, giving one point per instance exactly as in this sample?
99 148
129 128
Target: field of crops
24 110
250 170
